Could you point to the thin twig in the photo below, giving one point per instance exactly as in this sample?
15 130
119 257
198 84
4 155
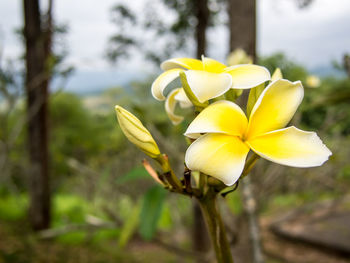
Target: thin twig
187 178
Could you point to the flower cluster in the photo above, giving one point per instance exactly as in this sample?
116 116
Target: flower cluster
222 134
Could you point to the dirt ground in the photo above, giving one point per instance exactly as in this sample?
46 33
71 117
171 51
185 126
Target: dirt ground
317 232
283 250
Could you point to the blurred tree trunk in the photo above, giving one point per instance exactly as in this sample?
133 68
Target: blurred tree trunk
346 64
200 236
242 24
202 15
38 50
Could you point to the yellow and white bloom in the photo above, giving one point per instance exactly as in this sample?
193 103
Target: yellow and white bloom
136 133
209 78
228 135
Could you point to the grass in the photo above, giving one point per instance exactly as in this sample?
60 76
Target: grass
67 209
13 207
19 244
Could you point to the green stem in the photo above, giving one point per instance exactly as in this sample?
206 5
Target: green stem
201 184
233 94
250 164
163 160
216 228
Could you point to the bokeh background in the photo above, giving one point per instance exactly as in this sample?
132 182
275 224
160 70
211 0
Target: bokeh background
73 189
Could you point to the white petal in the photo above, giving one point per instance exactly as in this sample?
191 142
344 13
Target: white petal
218 155
220 117
292 147
212 65
248 76
162 82
206 85
170 105
275 107
182 98
182 63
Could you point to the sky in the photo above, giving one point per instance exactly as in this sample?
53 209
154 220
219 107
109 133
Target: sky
313 36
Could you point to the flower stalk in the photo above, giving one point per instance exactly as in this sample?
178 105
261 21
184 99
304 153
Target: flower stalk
216 228
169 174
250 164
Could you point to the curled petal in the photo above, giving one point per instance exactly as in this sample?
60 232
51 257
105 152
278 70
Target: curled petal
207 85
219 155
292 147
182 63
275 107
220 117
183 99
248 76
212 65
162 82
170 105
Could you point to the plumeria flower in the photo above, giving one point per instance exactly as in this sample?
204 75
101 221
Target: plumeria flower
313 81
208 78
239 56
176 96
228 135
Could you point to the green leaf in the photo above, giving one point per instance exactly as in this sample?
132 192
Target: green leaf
151 211
165 221
253 97
129 226
134 174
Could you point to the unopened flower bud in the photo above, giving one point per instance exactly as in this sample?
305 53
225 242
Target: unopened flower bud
136 132
277 74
